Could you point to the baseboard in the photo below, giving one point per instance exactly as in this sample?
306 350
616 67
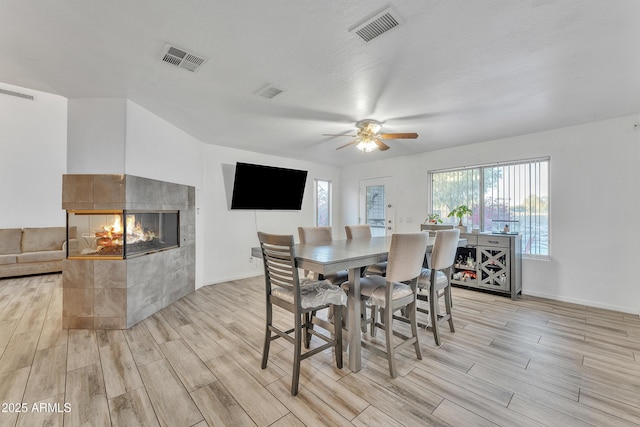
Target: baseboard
231 278
635 311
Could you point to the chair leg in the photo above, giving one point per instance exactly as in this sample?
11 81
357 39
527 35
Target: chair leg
374 319
363 315
308 324
345 323
388 332
448 302
337 333
297 356
433 311
413 321
267 336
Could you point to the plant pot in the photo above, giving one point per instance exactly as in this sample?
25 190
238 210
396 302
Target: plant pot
463 228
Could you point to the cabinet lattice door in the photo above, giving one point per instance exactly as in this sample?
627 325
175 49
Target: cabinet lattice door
494 269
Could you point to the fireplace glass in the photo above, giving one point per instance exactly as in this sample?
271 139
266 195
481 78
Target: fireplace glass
111 234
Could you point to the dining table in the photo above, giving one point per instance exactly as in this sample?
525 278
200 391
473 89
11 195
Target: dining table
348 254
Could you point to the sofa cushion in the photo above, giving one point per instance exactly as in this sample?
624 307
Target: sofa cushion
43 256
10 241
43 239
7 259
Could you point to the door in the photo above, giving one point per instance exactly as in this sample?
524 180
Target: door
376 206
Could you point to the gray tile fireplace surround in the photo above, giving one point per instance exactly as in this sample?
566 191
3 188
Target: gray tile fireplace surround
117 294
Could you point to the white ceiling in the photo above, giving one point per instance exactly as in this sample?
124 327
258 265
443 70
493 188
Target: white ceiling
455 72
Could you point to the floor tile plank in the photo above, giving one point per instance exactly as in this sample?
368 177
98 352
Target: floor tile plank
86 394
262 406
171 402
120 371
132 409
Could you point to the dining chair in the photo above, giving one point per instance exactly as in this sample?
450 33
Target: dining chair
361 231
318 235
284 289
406 254
434 282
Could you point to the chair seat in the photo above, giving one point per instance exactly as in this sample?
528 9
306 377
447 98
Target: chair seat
313 294
424 280
375 287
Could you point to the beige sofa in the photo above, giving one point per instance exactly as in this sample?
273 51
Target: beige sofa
25 251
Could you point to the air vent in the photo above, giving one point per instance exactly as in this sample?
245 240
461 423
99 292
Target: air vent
17 94
269 91
377 25
181 58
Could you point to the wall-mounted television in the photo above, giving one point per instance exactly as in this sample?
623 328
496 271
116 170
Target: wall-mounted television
267 187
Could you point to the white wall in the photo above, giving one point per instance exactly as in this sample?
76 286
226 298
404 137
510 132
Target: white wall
96 136
230 234
156 149
33 153
594 205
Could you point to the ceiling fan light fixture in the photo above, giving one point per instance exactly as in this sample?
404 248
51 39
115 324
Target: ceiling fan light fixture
366 145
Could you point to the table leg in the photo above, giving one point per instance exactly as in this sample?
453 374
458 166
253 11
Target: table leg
355 333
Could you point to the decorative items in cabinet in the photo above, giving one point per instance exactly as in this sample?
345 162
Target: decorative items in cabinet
465 268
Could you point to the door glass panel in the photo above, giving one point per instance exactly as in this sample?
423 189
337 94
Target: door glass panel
375 213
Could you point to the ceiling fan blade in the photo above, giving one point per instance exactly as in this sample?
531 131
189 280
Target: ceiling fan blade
381 145
355 141
336 134
398 135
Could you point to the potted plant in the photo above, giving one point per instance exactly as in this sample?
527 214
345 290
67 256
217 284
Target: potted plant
433 218
459 212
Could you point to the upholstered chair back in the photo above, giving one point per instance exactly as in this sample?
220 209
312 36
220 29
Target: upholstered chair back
444 249
406 254
358 231
314 234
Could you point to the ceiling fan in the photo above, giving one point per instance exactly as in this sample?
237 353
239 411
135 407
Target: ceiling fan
368 137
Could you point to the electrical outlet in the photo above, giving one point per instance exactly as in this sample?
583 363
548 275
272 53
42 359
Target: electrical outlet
253 263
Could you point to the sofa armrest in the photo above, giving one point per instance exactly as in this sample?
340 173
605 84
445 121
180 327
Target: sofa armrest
73 245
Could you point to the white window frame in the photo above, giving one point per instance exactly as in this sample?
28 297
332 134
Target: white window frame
316 195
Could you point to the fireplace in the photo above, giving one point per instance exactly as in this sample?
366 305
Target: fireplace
133 250
122 234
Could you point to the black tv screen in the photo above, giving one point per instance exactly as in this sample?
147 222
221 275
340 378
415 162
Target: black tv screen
267 187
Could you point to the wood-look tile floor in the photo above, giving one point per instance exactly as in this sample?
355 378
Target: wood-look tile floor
197 363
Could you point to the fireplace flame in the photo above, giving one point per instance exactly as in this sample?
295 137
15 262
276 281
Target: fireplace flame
135 232
117 225
111 235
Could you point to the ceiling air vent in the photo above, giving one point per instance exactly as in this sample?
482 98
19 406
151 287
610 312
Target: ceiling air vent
269 91
181 58
377 25
18 94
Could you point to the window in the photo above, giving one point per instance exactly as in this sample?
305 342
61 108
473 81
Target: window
375 213
510 191
323 202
